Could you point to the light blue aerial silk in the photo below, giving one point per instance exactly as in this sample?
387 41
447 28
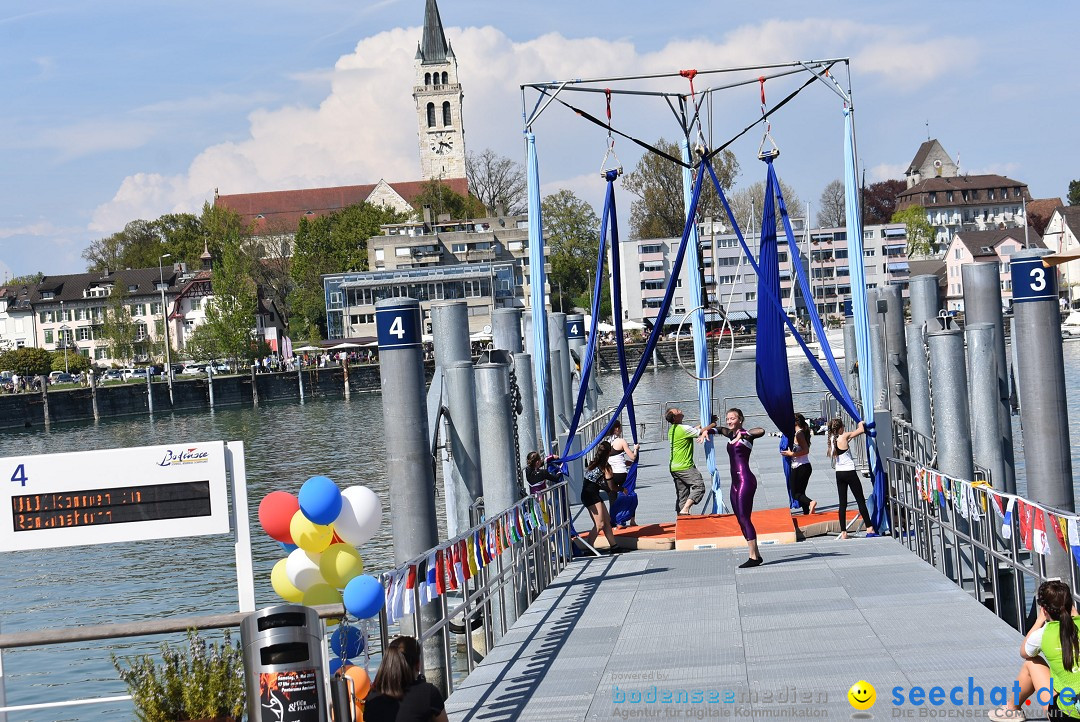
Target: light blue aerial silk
860 313
537 282
701 352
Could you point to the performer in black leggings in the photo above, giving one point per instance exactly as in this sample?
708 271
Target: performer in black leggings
846 476
799 453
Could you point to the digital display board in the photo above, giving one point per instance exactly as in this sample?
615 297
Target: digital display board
97 497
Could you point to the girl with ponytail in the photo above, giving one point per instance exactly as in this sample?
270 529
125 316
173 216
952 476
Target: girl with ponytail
399 692
1052 651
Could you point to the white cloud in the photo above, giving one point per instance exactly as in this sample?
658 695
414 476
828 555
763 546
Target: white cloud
94 136
365 128
886 171
37 229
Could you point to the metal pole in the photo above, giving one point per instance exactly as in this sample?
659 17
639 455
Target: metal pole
877 350
345 370
951 419
924 307
165 327
560 371
527 438
91 379
895 341
450 332
150 390
300 376
982 304
210 383
506 329
409 472
1040 369
498 455
450 345
44 399
463 440
851 357
254 387
982 371
575 342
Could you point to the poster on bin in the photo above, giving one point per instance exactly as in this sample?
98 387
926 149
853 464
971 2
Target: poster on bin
291 696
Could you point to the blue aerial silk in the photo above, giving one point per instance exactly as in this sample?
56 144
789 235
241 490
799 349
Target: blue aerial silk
701 352
772 379
537 282
879 514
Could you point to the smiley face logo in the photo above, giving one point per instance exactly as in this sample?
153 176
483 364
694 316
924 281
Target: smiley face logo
862 695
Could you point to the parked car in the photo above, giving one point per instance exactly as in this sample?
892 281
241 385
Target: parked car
192 369
138 374
113 375
59 377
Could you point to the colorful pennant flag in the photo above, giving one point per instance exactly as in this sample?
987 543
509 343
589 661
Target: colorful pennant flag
1074 537
1061 529
440 572
1025 523
1042 544
430 587
409 595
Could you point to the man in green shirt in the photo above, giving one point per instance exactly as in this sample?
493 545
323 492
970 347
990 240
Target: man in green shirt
689 486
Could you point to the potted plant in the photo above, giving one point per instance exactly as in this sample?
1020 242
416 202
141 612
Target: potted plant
201 683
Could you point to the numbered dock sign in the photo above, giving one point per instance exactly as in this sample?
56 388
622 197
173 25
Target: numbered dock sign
1032 281
98 497
575 328
398 325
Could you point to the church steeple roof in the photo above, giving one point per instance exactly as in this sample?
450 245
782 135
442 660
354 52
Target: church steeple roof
433 46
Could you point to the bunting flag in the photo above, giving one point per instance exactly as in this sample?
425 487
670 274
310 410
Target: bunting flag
1025 523
519 524
1061 529
463 555
1042 544
974 507
470 554
399 595
455 555
526 520
960 497
940 491
388 593
481 558
545 512
1007 521
1074 537
440 572
995 502
492 541
409 596
431 588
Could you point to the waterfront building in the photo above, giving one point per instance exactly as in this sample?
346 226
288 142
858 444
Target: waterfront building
1063 234
70 310
980 246
822 253
17 327
481 261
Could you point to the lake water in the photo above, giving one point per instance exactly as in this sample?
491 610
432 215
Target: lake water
285 444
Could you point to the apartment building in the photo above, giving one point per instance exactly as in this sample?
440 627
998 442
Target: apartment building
980 247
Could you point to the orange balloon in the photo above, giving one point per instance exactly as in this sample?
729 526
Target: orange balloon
360 685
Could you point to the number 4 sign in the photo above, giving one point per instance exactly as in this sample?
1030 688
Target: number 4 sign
398 324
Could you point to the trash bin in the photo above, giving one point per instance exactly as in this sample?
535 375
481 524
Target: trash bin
283 661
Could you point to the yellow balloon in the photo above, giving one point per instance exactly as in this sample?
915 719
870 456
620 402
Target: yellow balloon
279 580
340 563
322 594
308 535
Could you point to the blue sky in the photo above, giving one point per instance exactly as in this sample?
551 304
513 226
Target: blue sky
117 110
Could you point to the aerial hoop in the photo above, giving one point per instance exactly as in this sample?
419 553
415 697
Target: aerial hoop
678 353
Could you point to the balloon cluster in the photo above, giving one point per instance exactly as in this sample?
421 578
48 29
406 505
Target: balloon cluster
320 530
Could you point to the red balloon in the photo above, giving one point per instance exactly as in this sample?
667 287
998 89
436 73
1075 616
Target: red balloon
276 511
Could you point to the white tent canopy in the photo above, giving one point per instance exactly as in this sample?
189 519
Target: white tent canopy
308 348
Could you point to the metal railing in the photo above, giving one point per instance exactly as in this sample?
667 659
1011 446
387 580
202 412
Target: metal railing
974 553
497 595
911 445
831 409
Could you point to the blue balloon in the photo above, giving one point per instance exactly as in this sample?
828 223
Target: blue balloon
335 665
320 500
363 596
354 644
289 548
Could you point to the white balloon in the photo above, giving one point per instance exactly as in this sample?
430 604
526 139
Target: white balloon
360 517
302 569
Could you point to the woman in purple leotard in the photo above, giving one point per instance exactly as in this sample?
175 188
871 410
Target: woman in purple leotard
743 481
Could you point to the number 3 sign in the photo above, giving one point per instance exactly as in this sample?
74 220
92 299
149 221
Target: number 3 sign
398 325
1032 281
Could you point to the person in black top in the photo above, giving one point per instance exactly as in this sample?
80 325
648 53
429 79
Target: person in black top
399 692
537 475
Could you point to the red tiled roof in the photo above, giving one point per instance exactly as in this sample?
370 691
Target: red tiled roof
281 211
1043 207
963 182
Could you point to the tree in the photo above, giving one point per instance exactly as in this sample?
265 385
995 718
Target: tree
1074 193
329 244
572 235
75 362
496 180
30 279
920 233
748 202
142 243
118 328
230 313
659 211
831 206
879 201
27 362
443 200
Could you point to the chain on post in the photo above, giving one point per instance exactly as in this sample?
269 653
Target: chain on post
515 410
930 386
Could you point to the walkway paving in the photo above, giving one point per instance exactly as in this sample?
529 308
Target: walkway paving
787 639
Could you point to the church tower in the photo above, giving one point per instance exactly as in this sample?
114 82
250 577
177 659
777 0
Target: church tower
438 102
